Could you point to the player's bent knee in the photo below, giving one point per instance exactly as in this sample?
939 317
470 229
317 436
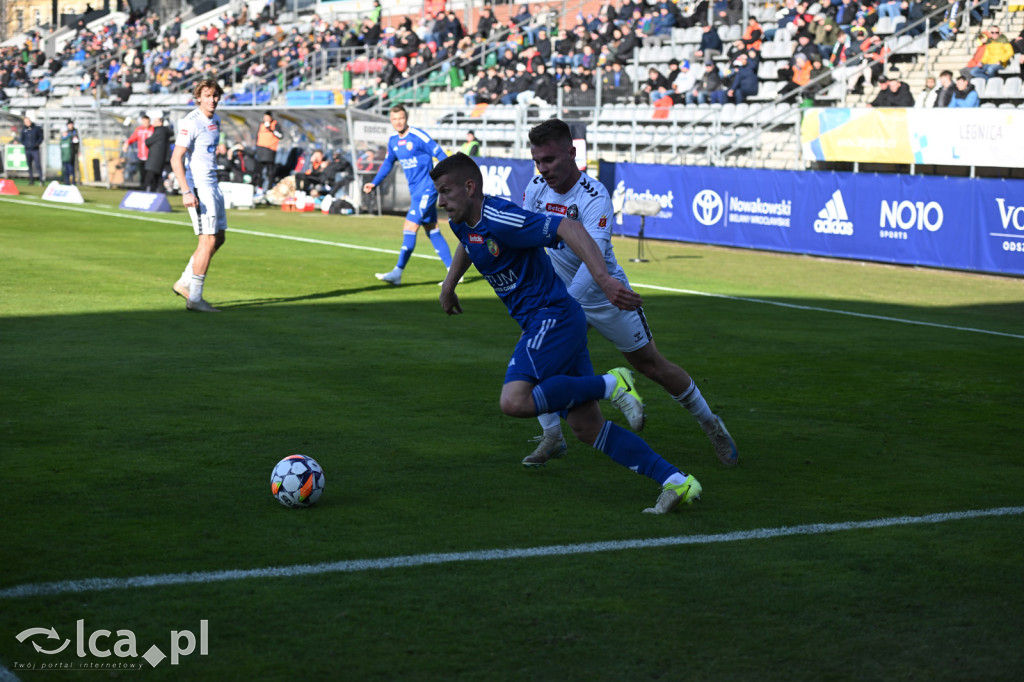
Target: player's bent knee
516 407
587 433
586 422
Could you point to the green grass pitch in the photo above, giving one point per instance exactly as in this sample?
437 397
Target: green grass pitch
137 439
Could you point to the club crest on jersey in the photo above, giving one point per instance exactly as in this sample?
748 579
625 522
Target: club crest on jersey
555 208
603 222
573 212
474 238
408 145
493 248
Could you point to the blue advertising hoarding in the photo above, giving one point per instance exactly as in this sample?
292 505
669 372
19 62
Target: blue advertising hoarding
506 178
961 223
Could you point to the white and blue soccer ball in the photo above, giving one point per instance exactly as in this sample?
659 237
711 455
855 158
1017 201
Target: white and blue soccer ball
297 481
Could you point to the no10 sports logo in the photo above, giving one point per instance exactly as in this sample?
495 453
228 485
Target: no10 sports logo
908 215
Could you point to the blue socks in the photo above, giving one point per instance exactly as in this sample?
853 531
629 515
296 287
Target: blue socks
633 452
436 238
408 244
440 247
562 392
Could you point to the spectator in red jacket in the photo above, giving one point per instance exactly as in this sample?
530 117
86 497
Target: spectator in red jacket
135 150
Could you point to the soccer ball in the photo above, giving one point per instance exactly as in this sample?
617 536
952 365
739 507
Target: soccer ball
297 481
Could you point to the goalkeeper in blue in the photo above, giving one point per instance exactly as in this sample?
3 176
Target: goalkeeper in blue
550 368
416 151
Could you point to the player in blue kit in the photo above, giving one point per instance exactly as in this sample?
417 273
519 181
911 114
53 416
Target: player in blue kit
550 368
561 188
416 151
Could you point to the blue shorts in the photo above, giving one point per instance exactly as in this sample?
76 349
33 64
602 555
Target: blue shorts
424 209
554 344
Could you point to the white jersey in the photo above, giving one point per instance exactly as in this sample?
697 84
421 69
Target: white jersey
589 203
200 136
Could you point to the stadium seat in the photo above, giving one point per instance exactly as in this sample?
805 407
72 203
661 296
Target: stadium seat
500 113
833 93
644 112
1013 68
887 25
979 85
729 33
767 91
693 35
993 88
1012 88
727 114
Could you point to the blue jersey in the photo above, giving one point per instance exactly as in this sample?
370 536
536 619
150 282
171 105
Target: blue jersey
507 247
416 151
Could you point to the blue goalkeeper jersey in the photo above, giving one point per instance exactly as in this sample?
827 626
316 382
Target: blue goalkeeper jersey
507 247
416 151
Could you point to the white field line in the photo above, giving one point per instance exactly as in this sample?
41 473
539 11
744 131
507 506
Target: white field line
850 313
883 318
415 560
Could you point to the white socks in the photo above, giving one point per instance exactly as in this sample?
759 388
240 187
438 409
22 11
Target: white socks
693 401
195 288
610 382
186 274
675 479
551 423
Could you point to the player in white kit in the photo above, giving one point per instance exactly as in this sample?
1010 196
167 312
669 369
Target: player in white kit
197 139
562 189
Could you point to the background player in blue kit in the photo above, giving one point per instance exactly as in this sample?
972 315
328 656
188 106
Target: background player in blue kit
416 151
550 369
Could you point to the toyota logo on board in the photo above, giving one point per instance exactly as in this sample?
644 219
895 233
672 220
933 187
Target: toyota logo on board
707 207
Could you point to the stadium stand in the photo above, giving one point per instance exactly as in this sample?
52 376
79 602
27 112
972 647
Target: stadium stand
126 63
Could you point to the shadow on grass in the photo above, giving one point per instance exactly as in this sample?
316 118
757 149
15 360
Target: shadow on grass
336 293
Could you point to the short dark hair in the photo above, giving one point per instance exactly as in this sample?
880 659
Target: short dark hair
461 167
398 107
551 130
947 73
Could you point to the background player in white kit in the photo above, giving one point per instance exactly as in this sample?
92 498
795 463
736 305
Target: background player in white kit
562 189
197 138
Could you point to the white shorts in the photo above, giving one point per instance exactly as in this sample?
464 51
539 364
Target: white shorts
209 217
627 329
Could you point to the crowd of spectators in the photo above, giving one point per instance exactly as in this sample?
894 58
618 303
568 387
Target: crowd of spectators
254 53
525 59
826 37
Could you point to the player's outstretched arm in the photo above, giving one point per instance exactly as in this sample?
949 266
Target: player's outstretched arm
460 264
583 245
